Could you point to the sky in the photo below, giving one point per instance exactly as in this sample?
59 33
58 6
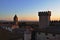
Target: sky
28 9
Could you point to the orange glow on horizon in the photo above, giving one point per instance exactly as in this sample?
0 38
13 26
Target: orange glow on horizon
54 18
30 18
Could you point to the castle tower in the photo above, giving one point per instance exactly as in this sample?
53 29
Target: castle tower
44 19
15 20
15 25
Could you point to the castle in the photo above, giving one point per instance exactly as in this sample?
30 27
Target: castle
44 19
47 30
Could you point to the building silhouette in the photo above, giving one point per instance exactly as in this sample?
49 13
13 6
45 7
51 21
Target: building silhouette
44 19
15 19
45 29
48 30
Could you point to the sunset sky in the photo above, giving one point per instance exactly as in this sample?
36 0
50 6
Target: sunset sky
28 9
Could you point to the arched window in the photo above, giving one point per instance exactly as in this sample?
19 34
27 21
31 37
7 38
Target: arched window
39 32
47 37
46 33
53 34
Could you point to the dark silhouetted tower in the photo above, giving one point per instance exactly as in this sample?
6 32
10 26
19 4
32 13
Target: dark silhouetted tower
15 20
44 19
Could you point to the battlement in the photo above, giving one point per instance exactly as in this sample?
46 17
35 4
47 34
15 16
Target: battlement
45 13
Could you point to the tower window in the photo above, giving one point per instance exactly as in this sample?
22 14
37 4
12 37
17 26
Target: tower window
53 34
47 37
46 33
38 32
